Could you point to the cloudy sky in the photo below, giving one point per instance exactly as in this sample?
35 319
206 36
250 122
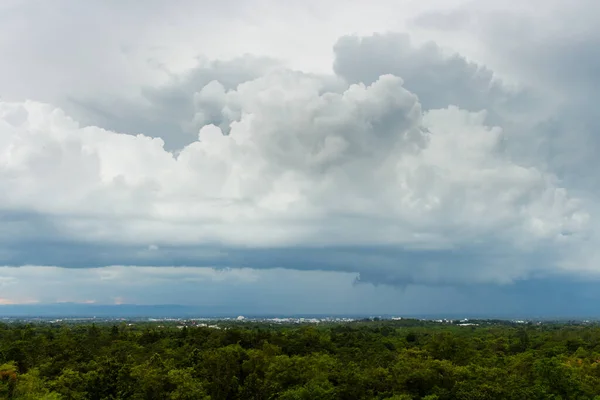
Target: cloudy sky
431 156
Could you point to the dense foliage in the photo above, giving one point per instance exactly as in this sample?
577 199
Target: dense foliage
376 360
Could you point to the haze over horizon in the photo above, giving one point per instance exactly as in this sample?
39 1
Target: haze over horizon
396 157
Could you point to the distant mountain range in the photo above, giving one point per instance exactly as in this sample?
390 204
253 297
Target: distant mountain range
97 310
81 310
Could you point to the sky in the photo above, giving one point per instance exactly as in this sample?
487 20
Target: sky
391 157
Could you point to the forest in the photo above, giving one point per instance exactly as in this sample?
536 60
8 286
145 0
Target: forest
394 360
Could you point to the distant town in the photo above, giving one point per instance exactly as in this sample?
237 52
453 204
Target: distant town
224 322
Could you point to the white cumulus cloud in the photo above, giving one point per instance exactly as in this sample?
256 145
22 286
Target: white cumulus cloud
302 163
